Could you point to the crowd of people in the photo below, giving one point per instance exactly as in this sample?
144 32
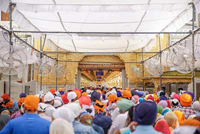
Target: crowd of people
101 111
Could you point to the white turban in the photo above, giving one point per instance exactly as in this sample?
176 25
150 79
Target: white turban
41 107
48 97
75 107
64 113
61 126
71 95
58 98
57 103
196 106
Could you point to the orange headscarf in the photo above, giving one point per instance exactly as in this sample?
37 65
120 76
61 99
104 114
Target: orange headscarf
21 100
180 116
190 122
186 100
84 94
99 106
128 89
60 89
53 91
78 93
126 94
9 104
31 102
5 97
112 98
99 91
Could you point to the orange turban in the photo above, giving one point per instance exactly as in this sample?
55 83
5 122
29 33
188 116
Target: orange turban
85 100
31 102
5 97
112 98
78 93
126 94
84 94
9 104
99 91
99 106
21 100
190 122
128 89
60 89
186 100
180 116
53 91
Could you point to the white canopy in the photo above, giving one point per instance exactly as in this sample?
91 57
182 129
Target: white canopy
101 16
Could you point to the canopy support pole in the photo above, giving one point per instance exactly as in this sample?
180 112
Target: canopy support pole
160 47
11 45
40 64
143 69
193 50
57 73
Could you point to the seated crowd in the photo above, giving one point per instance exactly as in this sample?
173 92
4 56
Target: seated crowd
100 111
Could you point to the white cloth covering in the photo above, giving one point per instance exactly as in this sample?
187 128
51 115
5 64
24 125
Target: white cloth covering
61 126
114 114
119 122
57 103
48 97
71 95
50 110
44 116
64 113
75 107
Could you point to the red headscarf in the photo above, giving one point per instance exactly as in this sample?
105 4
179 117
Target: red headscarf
5 97
53 91
168 103
64 98
163 127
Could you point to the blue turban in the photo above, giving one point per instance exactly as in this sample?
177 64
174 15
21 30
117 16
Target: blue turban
163 97
145 113
140 93
104 96
119 94
190 94
141 100
166 110
22 95
95 96
133 92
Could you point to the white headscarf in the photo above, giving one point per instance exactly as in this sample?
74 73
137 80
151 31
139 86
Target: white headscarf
75 107
57 103
42 107
61 126
48 97
64 113
71 95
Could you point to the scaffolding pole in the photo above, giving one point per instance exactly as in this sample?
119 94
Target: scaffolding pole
57 73
11 45
193 48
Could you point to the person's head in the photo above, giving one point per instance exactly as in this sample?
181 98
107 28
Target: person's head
126 94
180 89
190 122
64 113
145 113
86 119
4 119
124 105
57 103
130 114
159 109
85 100
31 104
49 98
166 110
180 116
186 100
163 103
95 96
163 127
72 96
61 126
99 107
5 97
171 119
21 100
163 88
78 93
53 91
9 104
41 108
75 108
112 98
196 106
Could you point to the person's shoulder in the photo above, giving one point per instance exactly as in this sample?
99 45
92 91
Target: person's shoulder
44 121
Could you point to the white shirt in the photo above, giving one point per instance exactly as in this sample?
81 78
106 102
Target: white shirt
119 122
43 115
114 114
